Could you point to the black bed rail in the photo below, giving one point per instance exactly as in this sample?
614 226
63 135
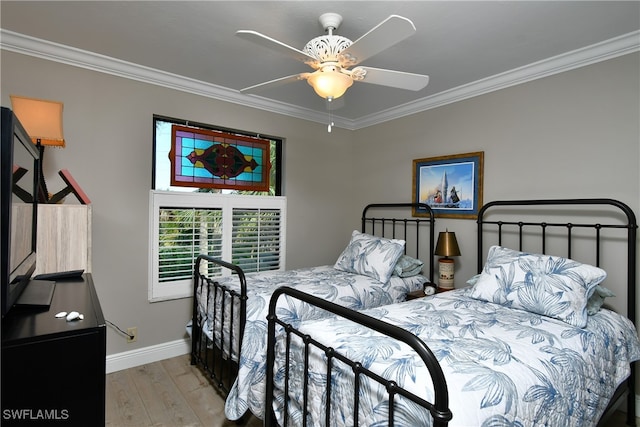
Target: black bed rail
439 409
402 224
630 225
210 355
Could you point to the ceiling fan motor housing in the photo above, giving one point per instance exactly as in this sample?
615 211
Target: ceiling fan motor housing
326 48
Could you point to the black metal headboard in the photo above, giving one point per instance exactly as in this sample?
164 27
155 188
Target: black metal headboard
400 225
579 209
592 224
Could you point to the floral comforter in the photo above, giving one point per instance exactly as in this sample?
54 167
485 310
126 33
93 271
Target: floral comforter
348 289
504 367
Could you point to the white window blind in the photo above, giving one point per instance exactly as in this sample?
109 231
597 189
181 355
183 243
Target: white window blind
245 230
256 239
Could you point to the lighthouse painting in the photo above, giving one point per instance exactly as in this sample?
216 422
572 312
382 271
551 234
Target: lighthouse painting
450 185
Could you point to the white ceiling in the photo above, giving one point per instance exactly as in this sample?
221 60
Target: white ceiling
467 48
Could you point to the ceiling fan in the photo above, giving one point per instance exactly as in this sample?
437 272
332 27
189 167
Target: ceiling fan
332 56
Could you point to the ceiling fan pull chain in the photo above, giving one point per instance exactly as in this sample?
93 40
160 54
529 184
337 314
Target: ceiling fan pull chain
330 116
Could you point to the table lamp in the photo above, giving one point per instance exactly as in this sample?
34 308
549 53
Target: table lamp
446 247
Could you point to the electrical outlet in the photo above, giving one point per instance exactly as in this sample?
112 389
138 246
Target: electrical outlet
133 334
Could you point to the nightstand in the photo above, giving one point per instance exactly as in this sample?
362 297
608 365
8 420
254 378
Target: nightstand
415 294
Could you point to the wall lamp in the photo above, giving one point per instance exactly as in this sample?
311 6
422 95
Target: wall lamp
42 120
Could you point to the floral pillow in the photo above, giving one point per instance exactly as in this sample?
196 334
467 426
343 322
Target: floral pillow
548 285
370 256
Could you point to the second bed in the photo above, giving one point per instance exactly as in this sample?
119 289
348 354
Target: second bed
379 266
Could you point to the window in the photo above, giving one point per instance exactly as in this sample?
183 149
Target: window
247 230
206 159
244 227
162 142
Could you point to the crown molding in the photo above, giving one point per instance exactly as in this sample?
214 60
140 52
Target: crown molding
27 45
608 49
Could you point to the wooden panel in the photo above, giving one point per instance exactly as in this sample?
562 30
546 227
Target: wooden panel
64 238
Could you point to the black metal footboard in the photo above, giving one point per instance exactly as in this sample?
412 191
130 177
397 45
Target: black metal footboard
222 313
439 409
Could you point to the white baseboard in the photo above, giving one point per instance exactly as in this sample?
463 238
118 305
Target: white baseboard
133 358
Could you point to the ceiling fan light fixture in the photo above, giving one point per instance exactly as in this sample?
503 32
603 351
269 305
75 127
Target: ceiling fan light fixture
332 57
329 83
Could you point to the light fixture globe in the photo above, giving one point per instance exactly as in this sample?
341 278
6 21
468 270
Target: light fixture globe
329 83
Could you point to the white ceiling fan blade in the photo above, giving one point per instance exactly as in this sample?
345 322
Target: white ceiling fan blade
273 44
397 79
384 35
274 83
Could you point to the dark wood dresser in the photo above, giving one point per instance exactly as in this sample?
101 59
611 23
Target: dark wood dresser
53 371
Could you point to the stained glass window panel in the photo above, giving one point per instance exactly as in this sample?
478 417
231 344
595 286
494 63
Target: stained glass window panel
206 159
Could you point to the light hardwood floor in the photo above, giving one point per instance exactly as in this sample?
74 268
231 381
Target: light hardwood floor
173 393
166 393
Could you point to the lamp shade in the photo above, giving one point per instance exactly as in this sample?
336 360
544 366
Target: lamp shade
41 119
329 83
447 244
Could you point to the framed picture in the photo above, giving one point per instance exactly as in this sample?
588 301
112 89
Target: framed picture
450 185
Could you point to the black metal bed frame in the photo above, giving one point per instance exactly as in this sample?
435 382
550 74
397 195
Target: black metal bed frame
399 227
209 356
502 227
221 368
439 408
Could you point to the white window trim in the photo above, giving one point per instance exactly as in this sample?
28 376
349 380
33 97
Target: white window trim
227 202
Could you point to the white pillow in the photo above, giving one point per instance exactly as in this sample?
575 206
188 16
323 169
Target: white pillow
548 285
370 256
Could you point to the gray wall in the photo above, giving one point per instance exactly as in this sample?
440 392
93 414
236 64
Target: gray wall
575 134
108 128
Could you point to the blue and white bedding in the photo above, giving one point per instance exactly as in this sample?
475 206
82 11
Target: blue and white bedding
355 291
503 366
